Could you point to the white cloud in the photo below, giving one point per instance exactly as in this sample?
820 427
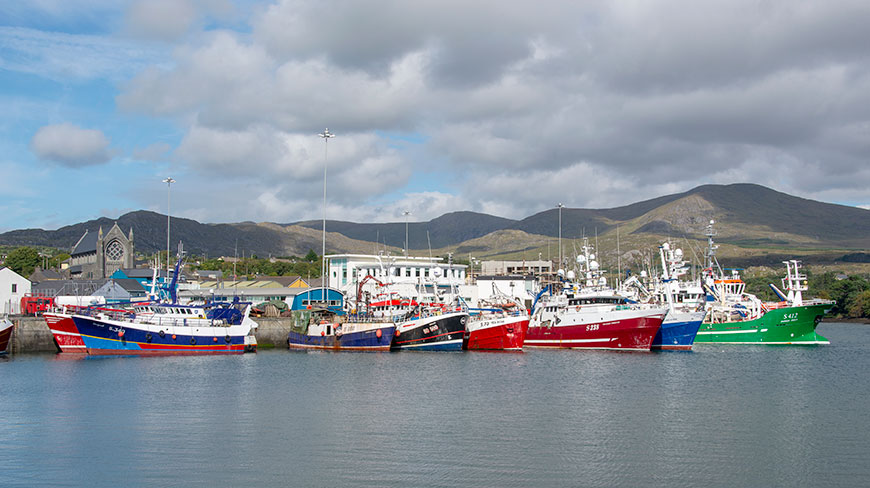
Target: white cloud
593 103
72 146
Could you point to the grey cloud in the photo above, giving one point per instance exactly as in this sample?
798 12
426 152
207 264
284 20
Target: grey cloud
72 146
603 102
164 20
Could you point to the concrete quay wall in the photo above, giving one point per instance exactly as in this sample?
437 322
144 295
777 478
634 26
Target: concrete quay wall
31 334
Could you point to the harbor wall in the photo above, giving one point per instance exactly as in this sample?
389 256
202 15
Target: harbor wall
31 334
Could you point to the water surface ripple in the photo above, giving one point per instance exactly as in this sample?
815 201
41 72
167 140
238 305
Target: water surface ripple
717 416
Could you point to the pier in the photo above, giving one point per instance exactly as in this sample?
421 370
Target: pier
32 334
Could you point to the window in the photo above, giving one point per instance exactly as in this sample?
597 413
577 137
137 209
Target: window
115 251
14 287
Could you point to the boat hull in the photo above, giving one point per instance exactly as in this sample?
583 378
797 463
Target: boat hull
678 331
66 334
781 326
507 333
370 339
6 329
632 332
434 333
111 337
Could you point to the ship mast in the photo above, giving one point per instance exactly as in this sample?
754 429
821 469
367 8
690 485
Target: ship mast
710 254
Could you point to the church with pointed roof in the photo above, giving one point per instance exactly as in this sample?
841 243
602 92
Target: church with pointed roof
98 255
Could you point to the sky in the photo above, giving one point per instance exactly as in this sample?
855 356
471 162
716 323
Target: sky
506 108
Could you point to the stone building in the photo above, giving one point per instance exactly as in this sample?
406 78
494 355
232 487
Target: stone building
98 255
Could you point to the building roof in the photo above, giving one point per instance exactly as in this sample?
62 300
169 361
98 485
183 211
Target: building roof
241 292
210 273
12 271
315 283
87 243
282 280
67 287
142 272
247 284
44 275
129 284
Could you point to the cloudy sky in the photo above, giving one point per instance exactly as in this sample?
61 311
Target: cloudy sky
500 107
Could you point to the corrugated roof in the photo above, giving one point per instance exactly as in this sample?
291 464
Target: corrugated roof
271 282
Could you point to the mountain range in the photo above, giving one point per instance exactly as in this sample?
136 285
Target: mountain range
748 217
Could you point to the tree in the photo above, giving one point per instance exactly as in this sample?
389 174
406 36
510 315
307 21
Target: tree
57 259
23 260
311 256
860 305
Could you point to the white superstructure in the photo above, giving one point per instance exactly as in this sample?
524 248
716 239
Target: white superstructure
406 275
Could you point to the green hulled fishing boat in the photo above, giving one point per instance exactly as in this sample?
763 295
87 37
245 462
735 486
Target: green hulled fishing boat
786 325
737 317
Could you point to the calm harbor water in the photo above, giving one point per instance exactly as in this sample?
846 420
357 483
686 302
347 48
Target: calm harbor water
718 416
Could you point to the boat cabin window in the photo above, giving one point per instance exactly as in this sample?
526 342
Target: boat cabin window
594 300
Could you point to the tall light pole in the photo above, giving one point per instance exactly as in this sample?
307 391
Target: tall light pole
326 136
406 213
169 181
560 237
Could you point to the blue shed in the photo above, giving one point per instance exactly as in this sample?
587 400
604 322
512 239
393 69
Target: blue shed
314 297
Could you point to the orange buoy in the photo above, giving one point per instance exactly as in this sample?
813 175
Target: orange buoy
173 337
397 332
215 339
120 333
322 333
379 333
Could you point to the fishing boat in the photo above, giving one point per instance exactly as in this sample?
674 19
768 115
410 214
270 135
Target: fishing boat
737 317
588 314
500 325
323 329
216 328
6 328
431 328
427 322
66 334
566 320
683 299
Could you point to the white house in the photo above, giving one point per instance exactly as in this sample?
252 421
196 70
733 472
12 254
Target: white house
13 286
407 274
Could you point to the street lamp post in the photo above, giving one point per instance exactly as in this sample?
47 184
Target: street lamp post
560 237
406 213
326 136
169 181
